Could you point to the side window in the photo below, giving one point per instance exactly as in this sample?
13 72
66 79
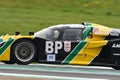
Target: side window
72 34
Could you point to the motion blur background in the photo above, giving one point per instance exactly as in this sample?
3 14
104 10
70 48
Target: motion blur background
34 15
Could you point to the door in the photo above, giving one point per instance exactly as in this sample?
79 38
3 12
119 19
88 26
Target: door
74 37
66 46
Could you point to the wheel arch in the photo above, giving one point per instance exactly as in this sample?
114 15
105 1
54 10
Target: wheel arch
29 39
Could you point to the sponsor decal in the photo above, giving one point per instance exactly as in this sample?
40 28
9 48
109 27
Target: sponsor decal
54 47
114 34
116 45
116 54
51 57
67 46
96 30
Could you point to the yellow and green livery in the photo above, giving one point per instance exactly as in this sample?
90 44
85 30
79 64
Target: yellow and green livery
79 44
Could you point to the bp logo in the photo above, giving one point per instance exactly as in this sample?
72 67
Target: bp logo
54 47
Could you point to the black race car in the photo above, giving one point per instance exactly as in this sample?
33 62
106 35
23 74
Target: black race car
79 44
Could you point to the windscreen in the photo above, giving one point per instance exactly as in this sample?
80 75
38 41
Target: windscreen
49 34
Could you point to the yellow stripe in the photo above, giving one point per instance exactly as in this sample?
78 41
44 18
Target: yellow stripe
91 50
93 47
6 55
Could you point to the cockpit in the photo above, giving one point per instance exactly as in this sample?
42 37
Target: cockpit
69 32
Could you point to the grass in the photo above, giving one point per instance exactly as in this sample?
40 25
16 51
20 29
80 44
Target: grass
34 15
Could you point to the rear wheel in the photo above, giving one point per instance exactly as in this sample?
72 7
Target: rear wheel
24 52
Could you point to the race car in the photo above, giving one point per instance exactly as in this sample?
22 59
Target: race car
87 44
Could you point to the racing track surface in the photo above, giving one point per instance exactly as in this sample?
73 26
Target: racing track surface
58 72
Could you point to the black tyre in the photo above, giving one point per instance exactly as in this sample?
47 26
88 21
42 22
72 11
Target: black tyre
24 52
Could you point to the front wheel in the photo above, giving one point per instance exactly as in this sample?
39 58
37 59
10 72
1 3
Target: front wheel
24 52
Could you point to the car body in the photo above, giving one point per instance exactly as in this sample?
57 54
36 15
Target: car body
79 44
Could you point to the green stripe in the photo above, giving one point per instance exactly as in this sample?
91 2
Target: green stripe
1 40
80 45
6 45
87 32
74 52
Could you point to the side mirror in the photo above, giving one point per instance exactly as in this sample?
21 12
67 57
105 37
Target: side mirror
17 33
31 33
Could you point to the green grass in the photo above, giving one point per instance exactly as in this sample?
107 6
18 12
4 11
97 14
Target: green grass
34 15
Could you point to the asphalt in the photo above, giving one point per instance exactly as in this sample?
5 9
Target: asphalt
61 72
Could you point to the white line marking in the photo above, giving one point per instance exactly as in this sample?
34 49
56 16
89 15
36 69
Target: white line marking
45 76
